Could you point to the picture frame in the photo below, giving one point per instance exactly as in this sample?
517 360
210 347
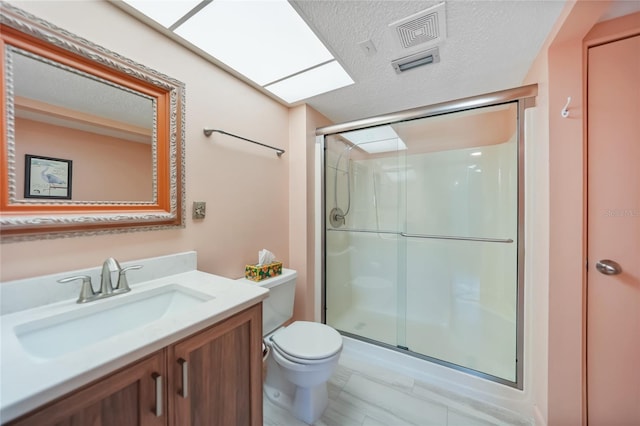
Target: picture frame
46 177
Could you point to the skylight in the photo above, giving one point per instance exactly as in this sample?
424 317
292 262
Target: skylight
376 139
265 41
313 82
166 13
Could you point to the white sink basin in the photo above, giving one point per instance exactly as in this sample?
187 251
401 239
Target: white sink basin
52 336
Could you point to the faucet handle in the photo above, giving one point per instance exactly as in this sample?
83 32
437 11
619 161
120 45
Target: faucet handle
86 291
123 284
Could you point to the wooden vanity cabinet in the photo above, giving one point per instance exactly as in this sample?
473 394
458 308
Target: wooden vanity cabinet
221 366
221 370
124 398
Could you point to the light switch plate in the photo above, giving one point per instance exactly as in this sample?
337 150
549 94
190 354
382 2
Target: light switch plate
199 209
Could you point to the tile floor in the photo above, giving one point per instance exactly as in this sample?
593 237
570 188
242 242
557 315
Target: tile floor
362 394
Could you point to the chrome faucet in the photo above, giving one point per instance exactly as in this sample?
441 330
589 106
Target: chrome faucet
109 276
113 280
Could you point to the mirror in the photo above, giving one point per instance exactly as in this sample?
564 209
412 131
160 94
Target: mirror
56 115
91 143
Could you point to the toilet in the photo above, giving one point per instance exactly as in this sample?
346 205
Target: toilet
303 355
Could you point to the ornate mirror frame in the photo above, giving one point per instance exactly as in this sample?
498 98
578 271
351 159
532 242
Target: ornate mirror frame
29 219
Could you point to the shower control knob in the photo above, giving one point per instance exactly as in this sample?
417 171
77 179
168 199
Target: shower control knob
337 217
608 267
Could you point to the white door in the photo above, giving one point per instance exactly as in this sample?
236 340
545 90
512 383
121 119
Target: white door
613 278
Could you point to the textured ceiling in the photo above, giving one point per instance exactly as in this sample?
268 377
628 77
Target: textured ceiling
489 46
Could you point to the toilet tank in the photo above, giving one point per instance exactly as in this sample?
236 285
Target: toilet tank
277 308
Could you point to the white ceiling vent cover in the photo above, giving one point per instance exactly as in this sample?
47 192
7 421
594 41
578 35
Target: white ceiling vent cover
419 29
430 56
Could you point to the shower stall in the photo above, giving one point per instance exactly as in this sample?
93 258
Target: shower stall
423 234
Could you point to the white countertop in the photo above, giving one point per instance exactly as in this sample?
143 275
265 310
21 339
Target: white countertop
28 381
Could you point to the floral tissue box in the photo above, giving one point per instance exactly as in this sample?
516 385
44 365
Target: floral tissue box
259 273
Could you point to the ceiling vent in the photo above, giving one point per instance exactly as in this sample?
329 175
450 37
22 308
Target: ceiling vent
420 29
407 63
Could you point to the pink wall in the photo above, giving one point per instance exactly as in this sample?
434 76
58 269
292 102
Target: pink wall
103 168
537 239
567 254
560 72
246 187
304 120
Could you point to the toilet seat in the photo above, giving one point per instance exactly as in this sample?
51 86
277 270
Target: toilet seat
299 363
307 342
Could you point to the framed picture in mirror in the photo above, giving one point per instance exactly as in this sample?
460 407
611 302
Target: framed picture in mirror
47 177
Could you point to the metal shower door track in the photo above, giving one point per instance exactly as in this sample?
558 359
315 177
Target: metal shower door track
473 102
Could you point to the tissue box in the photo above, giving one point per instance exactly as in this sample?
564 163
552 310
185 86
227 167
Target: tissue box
259 273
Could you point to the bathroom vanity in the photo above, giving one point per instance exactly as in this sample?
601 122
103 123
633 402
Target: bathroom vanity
190 353
213 376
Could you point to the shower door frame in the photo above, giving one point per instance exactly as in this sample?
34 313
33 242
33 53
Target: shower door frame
525 98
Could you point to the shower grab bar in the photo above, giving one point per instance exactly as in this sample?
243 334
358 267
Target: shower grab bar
208 132
427 236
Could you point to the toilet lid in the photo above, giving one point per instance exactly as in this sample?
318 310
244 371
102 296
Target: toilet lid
308 340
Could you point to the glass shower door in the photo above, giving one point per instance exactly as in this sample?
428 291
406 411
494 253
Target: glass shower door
422 237
461 232
364 195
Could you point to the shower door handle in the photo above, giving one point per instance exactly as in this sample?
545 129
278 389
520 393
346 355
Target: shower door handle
608 267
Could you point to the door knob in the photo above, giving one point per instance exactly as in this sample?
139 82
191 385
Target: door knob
608 267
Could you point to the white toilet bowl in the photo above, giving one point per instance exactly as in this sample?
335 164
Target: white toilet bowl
306 355
302 356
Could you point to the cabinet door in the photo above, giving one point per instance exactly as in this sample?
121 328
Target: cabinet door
216 375
125 398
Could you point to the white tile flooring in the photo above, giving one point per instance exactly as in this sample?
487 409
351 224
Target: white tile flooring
363 394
